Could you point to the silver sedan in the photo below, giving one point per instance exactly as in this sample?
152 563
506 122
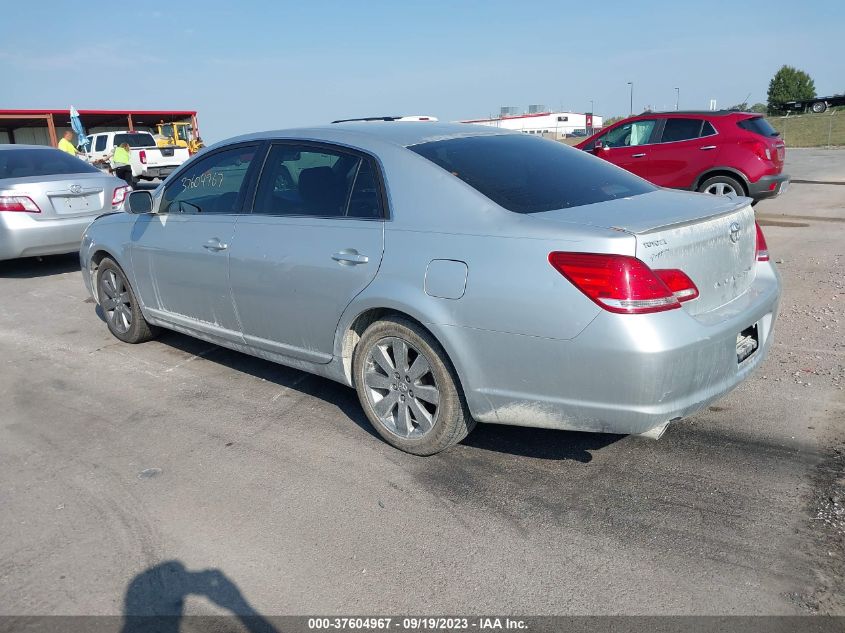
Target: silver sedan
450 274
48 197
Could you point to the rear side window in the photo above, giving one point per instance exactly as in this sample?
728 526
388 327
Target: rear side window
526 174
681 130
758 125
141 139
22 163
312 181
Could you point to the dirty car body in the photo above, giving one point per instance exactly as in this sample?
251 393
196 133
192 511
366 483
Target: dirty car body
470 244
47 198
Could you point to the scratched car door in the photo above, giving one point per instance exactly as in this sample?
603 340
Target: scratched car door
313 241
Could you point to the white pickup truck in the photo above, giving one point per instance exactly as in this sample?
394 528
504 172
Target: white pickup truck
147 160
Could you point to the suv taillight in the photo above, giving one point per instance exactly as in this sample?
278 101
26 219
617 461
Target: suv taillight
760 148
762 247
624 284
142 156
18 203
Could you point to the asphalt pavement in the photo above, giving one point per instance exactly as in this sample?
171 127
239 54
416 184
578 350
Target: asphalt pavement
124 466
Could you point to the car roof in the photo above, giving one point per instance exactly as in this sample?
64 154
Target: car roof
374 133
696 113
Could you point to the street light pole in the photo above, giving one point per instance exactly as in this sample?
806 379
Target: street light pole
591 106
677 97
631 111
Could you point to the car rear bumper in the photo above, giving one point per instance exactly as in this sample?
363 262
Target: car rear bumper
21 235
624 373
159 172
768 186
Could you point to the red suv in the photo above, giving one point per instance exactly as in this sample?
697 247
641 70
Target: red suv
720 152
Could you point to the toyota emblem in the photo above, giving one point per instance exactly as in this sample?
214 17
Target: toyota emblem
76 188
735 230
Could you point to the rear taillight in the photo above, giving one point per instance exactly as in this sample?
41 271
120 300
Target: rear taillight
142 156
760 148
18 203
120 195
623 284
677 281
762 247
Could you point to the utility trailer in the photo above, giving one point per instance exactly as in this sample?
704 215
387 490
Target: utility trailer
816 104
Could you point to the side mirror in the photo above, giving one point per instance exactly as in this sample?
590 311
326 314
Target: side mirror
139 202
600 147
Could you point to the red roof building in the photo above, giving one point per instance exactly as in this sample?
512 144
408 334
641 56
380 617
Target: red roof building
43 127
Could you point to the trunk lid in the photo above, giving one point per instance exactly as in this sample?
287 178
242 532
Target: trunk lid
710 238
65 195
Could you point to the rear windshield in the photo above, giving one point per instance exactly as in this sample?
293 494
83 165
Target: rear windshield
758 125
528 174
21 163
135 140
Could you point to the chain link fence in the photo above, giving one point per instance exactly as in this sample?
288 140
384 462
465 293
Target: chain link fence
812 130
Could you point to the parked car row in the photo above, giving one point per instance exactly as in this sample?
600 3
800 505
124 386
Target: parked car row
454 274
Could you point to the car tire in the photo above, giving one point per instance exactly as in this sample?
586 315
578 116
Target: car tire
722 185
410 421
818 107
120 306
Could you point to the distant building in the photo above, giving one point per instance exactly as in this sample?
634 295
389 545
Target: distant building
556 125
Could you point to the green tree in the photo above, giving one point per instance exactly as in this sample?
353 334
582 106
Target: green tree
612 120
789 84
759 108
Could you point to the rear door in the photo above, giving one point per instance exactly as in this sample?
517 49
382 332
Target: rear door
180 254
629 146
687 147
313 241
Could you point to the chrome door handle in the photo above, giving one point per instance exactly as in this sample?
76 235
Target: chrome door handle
350 257
215 245
637 155
706 147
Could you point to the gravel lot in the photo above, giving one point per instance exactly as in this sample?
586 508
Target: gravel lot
126 469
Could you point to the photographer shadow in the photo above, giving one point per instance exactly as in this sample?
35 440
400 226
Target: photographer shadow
155 599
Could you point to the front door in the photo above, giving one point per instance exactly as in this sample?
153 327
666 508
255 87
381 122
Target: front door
629 145
180 254
313 241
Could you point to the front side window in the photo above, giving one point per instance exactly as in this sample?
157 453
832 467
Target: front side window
630 134
306 180
213 184
528 175
681 130
102 139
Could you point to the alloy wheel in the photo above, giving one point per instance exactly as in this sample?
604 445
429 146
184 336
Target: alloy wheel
401 387
721 189
117 302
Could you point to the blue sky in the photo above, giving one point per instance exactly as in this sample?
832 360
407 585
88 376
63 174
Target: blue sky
248 66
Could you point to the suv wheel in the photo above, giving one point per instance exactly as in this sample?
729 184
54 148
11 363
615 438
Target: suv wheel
408 388
722 186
